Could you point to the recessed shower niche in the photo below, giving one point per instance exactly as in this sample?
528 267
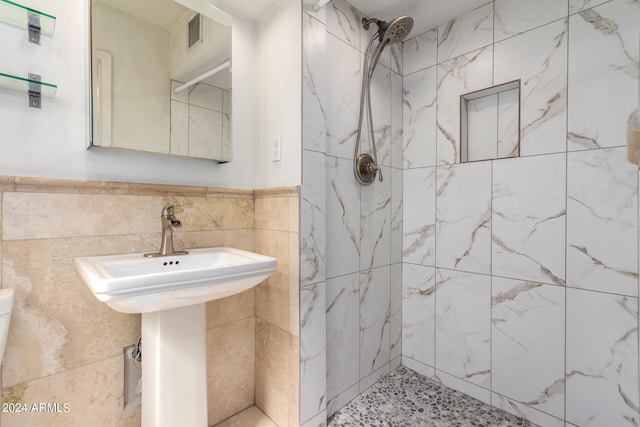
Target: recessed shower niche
490 123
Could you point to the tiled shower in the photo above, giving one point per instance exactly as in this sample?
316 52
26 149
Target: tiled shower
513 280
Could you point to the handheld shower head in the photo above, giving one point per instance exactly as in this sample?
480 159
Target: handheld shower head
389 32
366 166
396 30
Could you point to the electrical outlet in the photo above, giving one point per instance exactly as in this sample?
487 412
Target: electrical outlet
276 149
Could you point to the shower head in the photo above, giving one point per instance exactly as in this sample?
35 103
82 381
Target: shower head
396 30
388 32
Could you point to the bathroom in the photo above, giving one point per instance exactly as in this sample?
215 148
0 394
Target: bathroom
514 281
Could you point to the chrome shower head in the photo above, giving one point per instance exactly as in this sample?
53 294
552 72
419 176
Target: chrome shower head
388 32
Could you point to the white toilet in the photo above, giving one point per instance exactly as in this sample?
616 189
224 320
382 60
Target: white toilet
6 304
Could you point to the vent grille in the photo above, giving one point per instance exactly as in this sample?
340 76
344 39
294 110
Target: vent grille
195 33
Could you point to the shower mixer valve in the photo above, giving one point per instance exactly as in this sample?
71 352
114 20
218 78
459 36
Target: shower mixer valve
366 169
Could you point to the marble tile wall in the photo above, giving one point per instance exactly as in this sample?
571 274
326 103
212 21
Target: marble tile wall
66 347
200 121
351 236
520 275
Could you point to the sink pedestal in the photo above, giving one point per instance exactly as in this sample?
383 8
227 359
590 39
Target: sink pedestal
171 293
174 367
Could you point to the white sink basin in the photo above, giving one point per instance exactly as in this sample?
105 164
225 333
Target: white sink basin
132 283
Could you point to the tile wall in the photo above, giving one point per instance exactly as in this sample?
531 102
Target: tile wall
516 280
350 234
277 306
64 346
520 276
200 121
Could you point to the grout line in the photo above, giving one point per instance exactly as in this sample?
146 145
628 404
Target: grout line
566 223
435 217
491 286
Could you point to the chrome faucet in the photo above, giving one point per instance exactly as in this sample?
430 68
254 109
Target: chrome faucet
169 223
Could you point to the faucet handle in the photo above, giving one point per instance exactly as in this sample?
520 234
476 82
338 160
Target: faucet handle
169 210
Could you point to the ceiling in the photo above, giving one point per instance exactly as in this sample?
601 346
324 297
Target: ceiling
160 12
427 14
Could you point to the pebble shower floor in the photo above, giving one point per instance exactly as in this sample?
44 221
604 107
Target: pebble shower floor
406 399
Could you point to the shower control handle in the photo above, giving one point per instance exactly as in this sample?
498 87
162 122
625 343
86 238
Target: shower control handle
373 168
366 169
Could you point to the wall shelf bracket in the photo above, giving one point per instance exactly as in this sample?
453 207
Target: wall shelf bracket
33 86
35 94
34 21
34 27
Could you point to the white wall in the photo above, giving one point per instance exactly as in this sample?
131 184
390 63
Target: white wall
140 76
280 94
51 142
187 63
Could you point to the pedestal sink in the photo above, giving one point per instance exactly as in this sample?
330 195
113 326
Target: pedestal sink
171 293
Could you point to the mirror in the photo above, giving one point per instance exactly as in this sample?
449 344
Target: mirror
161 77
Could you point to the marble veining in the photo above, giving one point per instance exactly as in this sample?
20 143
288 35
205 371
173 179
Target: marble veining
342 97
539 59
513 17
419 117
343 218
603 73
608 27
404 398
343 21
343 329
602 359
527 344
486 276
397 131
602 220
520 410
463 325
395 53
200 121
395 325
375 319
418 313
312 351
312 219
419 216
463 74
579 5
380 89
396 217
375 223
420 52
465 34
463 217
528 219
314 122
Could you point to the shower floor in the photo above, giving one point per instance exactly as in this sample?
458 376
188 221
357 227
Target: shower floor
406 398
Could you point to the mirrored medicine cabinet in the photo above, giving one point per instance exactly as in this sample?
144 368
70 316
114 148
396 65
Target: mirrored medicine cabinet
160 77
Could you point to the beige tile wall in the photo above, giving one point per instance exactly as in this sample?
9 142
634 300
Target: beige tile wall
277 306
66 347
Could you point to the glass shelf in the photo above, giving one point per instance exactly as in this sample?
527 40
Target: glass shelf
21 84
19 15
